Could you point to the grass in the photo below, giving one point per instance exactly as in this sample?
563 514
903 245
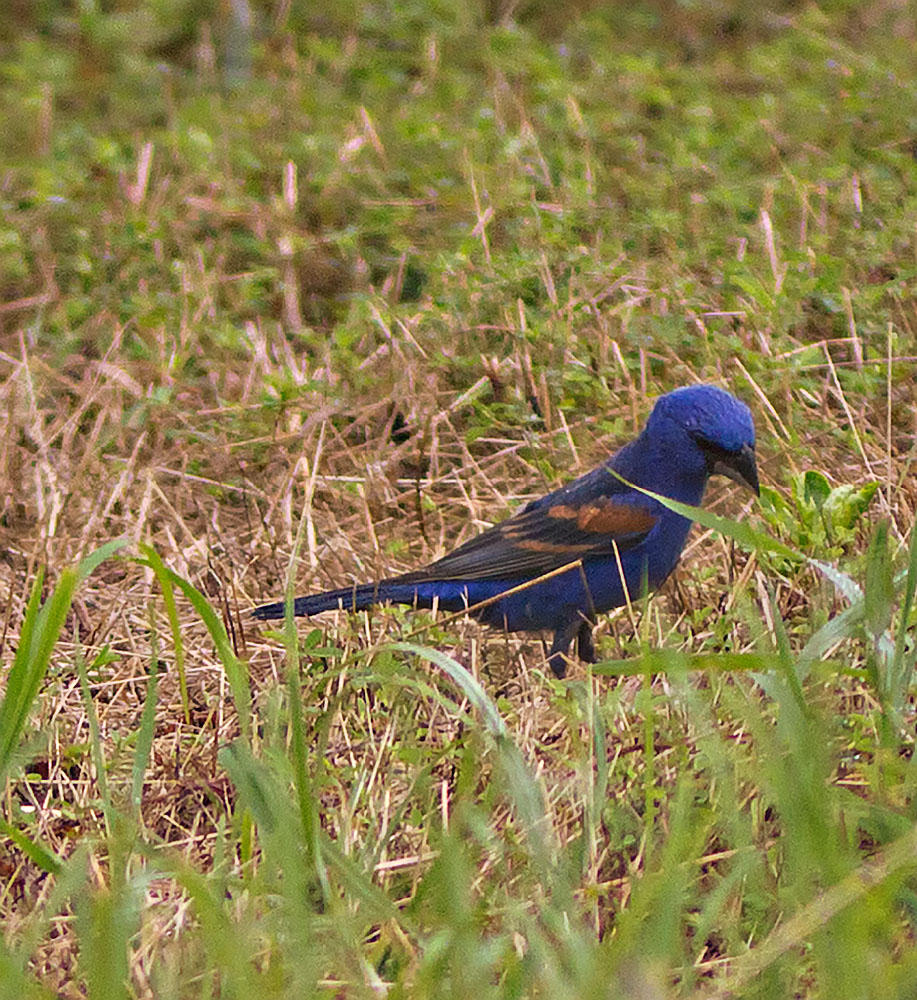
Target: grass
314 295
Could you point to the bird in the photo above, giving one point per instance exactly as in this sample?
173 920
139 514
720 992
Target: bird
588 547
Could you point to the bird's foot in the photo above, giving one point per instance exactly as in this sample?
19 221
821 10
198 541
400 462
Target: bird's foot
579 630
585 646
557 661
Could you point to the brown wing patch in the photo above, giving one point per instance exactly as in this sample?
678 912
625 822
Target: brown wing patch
613 519
535 546
563 511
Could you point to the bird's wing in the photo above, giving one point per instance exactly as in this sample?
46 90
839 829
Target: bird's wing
543 537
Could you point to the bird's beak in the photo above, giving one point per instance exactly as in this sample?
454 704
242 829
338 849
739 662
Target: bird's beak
741 468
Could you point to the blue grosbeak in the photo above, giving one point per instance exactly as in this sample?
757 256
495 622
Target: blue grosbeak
587 547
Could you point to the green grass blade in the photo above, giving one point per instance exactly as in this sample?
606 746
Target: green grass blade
95 744
89 564
22 682
262 793
835 630
178 645
106 920
521 785
597 776
15 983
227 949
902 665
740 532
305 796
235 668
144 746
879 592
673 661
253 782
46 860
797 930
308 806
472 690
844 625
842 582
40 631
785 655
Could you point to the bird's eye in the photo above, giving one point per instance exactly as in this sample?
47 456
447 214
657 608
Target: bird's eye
710 448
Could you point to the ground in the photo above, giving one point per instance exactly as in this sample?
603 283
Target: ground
314 296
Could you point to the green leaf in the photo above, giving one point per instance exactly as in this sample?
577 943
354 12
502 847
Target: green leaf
846 504
815 488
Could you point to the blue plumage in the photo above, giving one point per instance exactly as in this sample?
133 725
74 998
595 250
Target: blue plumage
597 526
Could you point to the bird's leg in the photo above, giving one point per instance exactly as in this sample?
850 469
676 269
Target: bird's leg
585 647
560 646
579 629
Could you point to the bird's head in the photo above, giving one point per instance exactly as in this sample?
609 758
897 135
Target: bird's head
720 425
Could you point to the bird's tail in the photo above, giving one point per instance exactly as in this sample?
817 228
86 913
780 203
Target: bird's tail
354 598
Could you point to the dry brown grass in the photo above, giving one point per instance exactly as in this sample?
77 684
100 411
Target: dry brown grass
81 467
